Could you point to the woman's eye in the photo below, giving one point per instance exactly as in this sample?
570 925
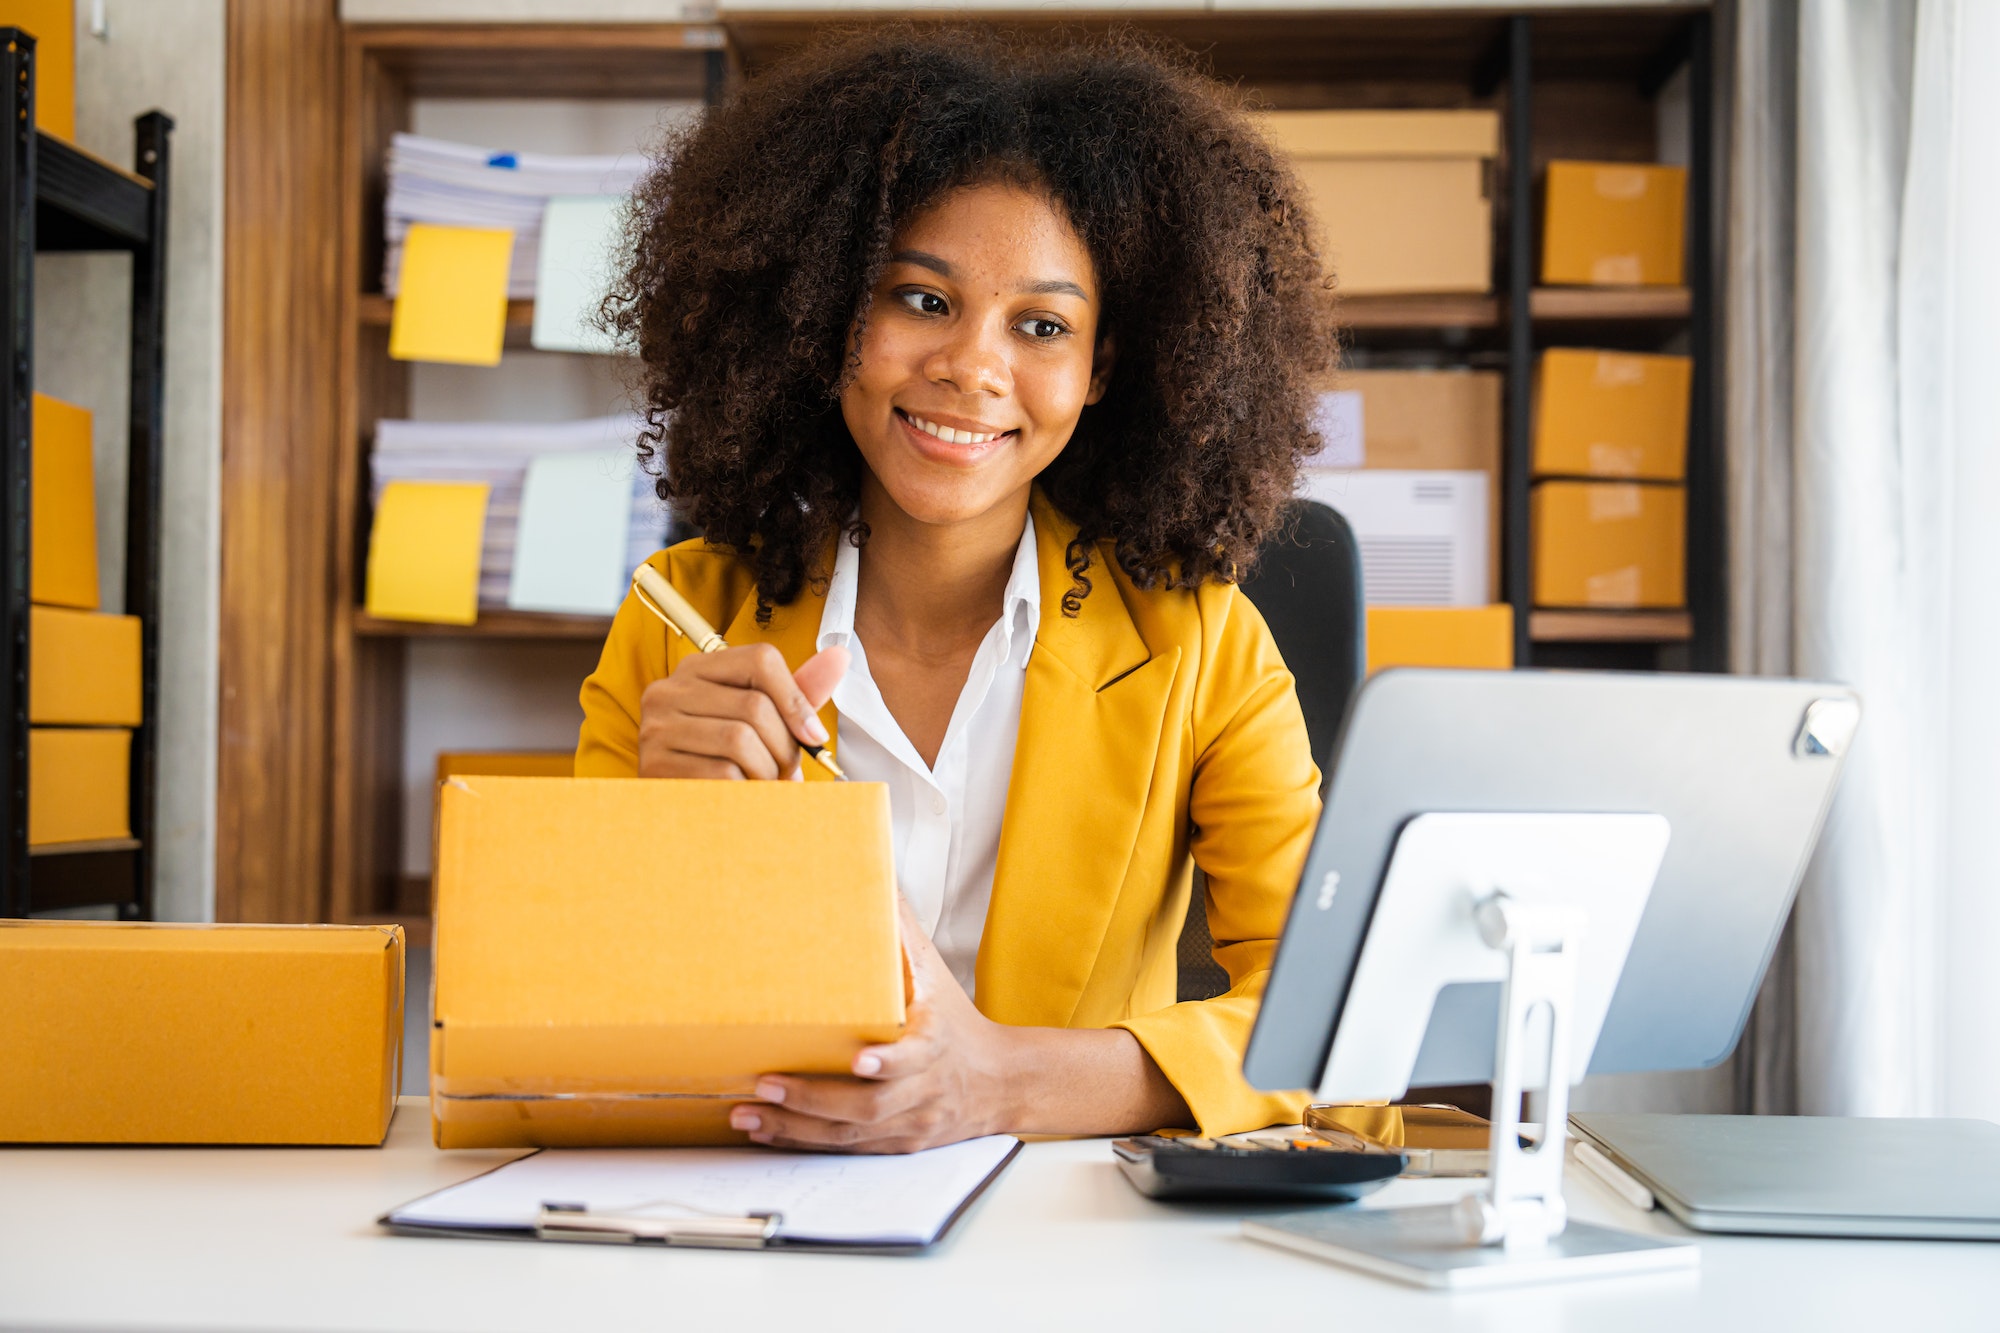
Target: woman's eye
1035 326
922 302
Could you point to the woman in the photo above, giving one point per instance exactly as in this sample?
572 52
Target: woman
984 368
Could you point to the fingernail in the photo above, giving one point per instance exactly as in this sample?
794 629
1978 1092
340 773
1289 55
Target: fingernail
745 1118
867 1063
815 730
770 1092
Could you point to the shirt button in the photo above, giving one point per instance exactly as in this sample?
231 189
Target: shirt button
937 803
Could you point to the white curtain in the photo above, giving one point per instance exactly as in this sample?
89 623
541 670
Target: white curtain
1864 489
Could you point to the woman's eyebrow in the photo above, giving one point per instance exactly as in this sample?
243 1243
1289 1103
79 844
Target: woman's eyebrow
941 267
1055 286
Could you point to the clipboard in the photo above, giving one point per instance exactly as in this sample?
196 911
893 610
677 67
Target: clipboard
937 1192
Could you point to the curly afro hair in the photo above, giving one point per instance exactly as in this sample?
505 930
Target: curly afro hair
754 246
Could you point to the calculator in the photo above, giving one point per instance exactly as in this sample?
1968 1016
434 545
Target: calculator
1296 1165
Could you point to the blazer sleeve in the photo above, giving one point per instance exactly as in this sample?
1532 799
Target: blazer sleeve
1253 803
635 655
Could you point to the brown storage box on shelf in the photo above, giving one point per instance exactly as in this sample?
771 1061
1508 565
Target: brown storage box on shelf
617 960
120 1033
1613 224
1401 196
1609 544
83 668
63 525
1441 636
79 784
1611 414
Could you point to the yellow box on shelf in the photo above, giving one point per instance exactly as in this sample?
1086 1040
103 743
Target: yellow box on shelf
148 1033
1401 196
1613 224
83 668
79 784
1611 414
1609 544
63 508
1479 637
617 960
52 23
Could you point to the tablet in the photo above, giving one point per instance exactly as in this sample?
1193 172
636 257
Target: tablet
1743 769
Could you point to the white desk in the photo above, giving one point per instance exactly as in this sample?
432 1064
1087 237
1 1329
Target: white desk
285 1238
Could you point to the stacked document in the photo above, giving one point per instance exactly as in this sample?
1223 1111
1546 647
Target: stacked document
459 185
589 487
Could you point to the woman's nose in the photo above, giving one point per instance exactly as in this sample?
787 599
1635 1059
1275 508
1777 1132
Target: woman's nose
972 360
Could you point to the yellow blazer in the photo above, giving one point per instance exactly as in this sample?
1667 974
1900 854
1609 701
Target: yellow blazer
1159 730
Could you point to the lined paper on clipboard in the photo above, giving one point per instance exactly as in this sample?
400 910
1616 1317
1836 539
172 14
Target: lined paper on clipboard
891 1202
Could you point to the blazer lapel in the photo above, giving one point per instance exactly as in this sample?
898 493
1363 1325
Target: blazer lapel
1091 715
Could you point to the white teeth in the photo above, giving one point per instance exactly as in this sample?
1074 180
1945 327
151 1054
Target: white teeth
950 436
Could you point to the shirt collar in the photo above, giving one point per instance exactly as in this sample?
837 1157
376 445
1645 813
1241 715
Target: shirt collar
1020 602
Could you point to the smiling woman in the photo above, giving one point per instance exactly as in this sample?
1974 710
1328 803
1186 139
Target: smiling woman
984 367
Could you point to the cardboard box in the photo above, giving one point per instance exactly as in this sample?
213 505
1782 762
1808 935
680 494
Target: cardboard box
1609 544
1400 196
617 960
1443 420
120 1033
79 784
1613 224
506 763
53 24
63 510
1479 637
83 668
1611 414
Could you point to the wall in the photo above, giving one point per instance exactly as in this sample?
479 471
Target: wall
166 55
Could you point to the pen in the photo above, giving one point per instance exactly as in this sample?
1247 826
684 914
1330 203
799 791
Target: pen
1608 1171
665 601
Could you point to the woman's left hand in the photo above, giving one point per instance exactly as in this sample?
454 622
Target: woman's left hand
947 1079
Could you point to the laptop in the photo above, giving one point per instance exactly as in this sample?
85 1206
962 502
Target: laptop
1811 1175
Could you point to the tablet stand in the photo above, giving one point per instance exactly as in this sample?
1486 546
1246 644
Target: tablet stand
1547 905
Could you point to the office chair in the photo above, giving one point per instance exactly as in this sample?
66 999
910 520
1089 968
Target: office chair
1307 583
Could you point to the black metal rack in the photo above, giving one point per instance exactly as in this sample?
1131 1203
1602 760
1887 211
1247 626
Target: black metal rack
55 197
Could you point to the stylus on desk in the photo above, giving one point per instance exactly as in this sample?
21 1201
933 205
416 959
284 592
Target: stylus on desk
1613 1175
665 601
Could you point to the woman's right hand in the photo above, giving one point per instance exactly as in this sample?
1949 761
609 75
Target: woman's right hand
735 714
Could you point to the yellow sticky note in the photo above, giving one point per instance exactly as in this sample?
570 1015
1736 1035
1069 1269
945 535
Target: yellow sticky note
423 556
451 304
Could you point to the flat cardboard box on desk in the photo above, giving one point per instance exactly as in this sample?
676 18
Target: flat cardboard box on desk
617 960
149 1033
1611 414
1613 545
1401 196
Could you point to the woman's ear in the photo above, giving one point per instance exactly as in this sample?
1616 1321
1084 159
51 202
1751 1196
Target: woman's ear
1101 363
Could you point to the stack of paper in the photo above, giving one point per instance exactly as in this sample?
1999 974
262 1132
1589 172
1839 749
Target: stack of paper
499 454
459 185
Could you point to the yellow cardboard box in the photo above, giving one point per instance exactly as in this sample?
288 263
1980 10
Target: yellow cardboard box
1441 636
53 24
1421 420
1611 544
1611 414
83 668
617 960
79 784
1613 224
505 763
120 1033
1401 196
63 510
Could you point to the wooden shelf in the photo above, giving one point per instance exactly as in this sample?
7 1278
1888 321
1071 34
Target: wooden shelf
490 625
1607 304
376 310
1453 310
85 848
1610 626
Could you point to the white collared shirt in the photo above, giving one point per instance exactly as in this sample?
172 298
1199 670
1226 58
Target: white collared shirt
944 820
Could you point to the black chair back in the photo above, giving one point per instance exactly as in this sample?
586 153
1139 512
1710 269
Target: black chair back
1307 584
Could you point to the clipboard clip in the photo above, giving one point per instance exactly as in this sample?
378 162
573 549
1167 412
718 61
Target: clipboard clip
575 1222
